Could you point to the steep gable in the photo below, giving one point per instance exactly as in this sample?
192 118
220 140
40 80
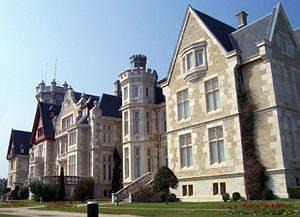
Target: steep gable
43 125
18 140
201 26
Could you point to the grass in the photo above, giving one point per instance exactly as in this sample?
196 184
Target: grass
5 215
171 209
22 203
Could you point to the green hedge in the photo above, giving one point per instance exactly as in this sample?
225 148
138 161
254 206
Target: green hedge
294 192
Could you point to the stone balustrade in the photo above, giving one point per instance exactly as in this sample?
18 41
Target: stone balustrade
132 187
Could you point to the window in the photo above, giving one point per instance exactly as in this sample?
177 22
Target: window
193 61
31 175
149 165
67 122
166 156
222 188
184 190
186 154
215 188
136 123
125 93
85 111
199 57
107 167
191 190
164 122
107 133
137 162
22 149
216 144
190 61
72 138
147 91
148 123
212 94
135 91
11 164
126 163
183 106
126 123
72 165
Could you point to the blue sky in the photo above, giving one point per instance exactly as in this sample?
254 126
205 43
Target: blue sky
92 41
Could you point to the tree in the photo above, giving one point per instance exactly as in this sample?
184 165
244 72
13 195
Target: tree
61 191
163 180
116 179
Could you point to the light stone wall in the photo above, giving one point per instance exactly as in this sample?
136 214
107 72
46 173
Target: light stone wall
221 66
203 187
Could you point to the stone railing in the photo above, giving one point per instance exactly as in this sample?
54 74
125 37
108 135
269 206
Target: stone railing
132 187
142 191
62 156
69 180
36 159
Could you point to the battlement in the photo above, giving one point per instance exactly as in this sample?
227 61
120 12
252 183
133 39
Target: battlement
138 60
138 72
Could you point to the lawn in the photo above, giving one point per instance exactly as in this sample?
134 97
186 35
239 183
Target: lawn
205 209
18 203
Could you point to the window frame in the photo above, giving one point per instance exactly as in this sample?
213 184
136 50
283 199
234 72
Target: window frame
216 141
214 91
186 150
183 105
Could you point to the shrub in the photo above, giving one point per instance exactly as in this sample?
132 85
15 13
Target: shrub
171 197
89 183
46 192
225 196
81 193
236 196
267 194
23 193
14 194
294 192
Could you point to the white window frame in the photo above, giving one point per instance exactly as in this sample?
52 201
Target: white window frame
72 138
107 167
107 134
212 94
126 151
186 150
72 165
216 144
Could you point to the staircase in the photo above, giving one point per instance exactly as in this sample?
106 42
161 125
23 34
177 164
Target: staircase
132 187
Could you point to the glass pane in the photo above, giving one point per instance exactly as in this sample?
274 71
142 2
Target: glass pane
210 102
212 134
104 172
190 154
199 58
183 65
109 172
179 111
217 99
221 150
184 190
215 83
138 167
219 132
126 167
208 86
214 152
188 139
190 189
187 109
182 157
215 188
190 60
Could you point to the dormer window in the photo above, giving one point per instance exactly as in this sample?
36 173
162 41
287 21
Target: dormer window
85 111
22 149
193 59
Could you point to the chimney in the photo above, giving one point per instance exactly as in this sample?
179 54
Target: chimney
118 91
242 18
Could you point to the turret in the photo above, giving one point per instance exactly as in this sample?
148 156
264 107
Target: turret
138 60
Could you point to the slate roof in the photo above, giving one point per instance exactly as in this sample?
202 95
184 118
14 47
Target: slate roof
18 138
297 34
110 105
220 30
159 97
46 120
88 96
245 38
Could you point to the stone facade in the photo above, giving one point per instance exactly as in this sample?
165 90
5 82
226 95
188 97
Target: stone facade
189 121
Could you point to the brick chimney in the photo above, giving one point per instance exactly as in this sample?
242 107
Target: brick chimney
118 91
242 18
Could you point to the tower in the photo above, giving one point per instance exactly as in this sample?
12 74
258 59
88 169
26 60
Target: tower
52 93
140 136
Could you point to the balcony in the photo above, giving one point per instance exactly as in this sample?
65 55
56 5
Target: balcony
62 157
36 159
68 180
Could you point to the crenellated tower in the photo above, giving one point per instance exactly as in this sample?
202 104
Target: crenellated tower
139 136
